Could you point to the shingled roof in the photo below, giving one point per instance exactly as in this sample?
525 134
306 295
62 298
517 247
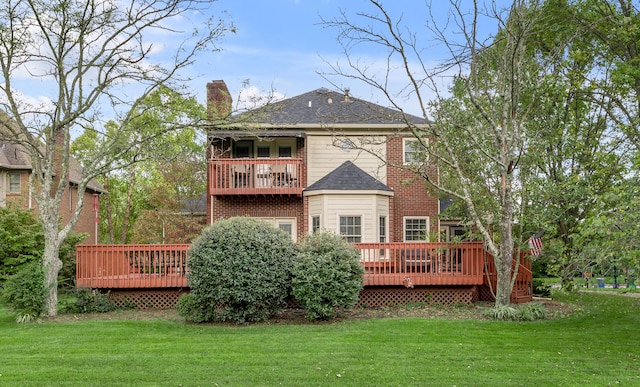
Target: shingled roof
14 156
348 177
324 106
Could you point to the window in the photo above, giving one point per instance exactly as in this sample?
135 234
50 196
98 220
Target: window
243 149
315 224
286 227
416 229
263 151
284 151
411 151
351 228
383 229
14 183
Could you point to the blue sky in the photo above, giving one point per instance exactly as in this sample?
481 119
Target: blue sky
282 45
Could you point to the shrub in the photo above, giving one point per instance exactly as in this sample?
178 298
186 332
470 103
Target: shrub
532 311
526 312
22 242
24 292
89 301
327 275
503 312
540 288
239 270
21 239
193 312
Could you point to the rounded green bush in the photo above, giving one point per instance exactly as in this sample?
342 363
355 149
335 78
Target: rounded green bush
327 275
239 270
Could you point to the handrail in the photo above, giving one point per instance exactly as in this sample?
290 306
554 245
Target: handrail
385 264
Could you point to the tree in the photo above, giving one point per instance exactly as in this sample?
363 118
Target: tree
613 30
575 156
157 175
477 128
98 61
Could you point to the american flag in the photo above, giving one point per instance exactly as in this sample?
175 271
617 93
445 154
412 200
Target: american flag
535 243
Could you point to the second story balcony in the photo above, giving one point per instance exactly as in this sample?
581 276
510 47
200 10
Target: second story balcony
255 176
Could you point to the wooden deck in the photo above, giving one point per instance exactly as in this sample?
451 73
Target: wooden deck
385 264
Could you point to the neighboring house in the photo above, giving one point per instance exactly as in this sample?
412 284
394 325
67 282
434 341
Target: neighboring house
15 168
322 159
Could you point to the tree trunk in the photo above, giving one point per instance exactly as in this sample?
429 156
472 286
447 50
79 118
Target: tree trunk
504 264
504 261
127 212
52 265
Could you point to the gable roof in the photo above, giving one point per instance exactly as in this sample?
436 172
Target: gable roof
348 177
325 107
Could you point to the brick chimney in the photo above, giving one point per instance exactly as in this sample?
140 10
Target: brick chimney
218 100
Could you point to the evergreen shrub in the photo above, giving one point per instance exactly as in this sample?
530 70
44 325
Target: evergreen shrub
87 300
24 292
239 270
327 275
21 239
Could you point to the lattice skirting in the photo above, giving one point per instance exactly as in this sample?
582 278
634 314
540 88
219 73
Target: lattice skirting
146 298
372 297
484 294
388 296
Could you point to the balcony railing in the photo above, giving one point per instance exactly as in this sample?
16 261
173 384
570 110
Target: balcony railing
255 177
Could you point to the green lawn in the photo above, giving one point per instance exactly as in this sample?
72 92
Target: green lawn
598 345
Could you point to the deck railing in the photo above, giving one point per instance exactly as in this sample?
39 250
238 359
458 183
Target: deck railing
255 176
424 263
131 266
162 266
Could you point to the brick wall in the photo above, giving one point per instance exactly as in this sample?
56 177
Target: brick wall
412 198
259 206
86 222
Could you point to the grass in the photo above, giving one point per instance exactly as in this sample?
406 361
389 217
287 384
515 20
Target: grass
597 345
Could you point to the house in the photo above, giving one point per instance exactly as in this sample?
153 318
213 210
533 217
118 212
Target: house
323 159
320 160
15 169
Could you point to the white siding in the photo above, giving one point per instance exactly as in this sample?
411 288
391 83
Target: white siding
323 157
331 206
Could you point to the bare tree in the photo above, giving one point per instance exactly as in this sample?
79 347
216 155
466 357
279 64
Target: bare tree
476 123
95 60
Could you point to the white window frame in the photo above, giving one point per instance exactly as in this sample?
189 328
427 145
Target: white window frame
276 222
406 149
404 228
348 236
290 222
383 236
311 225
